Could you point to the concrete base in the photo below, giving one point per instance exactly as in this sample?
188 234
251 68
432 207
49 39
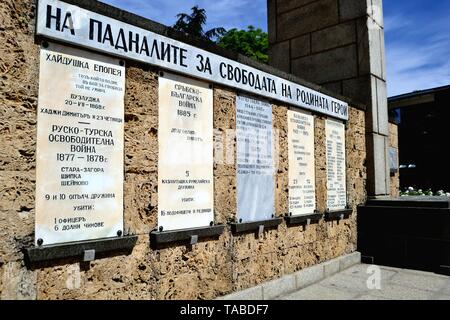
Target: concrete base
298 280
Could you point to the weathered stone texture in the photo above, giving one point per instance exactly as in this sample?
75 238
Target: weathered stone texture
19 68
393 143
211 268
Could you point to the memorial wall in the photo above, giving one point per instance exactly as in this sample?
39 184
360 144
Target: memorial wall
126 175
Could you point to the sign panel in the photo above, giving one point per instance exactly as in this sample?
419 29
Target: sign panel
336 177
255 166
302 192
72 24
185 138
79 161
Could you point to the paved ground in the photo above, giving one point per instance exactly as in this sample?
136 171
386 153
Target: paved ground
360 282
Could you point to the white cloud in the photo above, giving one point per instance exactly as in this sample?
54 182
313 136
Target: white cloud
417 54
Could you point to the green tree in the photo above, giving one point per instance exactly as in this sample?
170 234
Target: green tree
193 24
253 43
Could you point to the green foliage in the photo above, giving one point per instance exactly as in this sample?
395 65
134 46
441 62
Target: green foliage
193 24
253 43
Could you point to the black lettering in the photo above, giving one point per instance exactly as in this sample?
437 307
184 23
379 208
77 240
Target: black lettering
57 18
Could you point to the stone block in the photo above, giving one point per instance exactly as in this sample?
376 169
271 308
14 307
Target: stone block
278 287
279 56
351 9
311 17
376 54
254 293
376 12
362 35
332 37
272 20
377 170
335 87
359 89
330 267
286 5
309 276
301 46
382 108
349 260
327 66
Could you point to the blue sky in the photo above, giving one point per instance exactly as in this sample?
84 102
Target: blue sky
417 33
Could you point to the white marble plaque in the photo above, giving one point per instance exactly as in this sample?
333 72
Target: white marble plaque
336 175
185 138
79 161
302 196
255 166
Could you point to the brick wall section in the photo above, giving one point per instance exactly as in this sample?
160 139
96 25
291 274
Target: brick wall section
211 268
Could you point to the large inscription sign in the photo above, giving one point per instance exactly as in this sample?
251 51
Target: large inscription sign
255 167
336 177
72 24
79 162
302 198
185 169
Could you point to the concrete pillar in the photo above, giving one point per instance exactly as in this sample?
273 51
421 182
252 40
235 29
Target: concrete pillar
339 44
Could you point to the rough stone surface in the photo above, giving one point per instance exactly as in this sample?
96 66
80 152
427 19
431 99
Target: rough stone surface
209 269
393 143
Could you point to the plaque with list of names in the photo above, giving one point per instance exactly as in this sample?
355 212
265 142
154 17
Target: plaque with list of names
336 177
255 166
79 161
302 195
185 167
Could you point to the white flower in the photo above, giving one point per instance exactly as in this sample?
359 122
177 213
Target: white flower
410 188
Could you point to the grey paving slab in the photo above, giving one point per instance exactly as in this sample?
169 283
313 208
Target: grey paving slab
422 281
363 271
442 297
446 288
398 292
342 281
318 292
370 297
395 284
